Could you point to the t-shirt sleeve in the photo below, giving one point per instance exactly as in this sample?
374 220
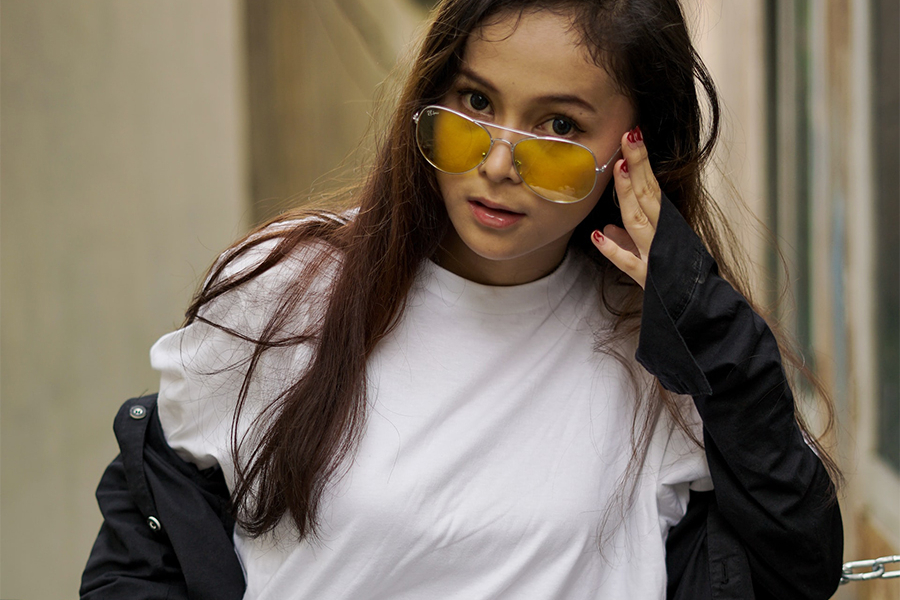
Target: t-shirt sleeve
201 371
203 366
683 468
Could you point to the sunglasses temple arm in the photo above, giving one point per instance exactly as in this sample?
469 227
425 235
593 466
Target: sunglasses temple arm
616 154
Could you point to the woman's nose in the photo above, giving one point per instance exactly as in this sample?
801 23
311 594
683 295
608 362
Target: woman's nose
499 164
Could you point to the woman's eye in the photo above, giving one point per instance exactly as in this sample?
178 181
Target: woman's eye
562 126
478 101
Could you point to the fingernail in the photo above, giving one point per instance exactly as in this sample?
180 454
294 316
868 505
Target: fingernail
637 134
597 237
624 167
630 137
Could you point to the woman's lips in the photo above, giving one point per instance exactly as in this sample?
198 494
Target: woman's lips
493 215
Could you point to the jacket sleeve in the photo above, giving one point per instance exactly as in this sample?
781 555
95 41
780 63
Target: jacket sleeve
167 532
700 337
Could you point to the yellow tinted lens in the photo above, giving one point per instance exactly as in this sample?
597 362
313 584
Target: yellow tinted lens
556 170
450 142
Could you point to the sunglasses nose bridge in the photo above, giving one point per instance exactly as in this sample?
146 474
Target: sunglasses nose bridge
510 132
505 141
500 166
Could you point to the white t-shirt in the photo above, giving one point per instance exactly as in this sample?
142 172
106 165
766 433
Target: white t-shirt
492 460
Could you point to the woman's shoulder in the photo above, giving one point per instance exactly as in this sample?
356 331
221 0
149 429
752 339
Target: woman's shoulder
263 292
277 251
282 260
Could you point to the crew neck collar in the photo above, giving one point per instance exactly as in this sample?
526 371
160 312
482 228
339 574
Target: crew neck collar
457 291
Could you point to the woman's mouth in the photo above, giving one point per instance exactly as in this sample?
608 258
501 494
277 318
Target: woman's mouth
491 214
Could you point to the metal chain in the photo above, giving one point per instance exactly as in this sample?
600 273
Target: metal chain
876 568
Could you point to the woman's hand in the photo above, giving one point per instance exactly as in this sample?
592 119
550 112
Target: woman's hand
639 200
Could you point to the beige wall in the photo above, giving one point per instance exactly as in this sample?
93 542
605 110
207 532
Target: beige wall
313 67
122 177
728 35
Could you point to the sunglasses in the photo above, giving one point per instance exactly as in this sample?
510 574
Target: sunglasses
555 169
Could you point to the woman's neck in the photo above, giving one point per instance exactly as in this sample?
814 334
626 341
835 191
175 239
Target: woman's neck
454 255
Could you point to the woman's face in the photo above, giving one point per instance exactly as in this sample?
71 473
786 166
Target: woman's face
530 74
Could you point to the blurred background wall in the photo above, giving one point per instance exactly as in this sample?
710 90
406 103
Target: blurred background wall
138 138
124 172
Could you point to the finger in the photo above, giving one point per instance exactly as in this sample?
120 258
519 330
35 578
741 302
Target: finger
621 238
622 258
643 182
634 218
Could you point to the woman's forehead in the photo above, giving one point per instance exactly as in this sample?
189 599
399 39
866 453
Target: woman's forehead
535 52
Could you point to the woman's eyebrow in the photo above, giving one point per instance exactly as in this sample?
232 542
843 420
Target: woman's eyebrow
567 99
464 72
547 99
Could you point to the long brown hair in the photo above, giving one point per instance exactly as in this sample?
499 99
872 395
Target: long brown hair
304 436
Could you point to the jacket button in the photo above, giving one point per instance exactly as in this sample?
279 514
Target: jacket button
154 523
137 412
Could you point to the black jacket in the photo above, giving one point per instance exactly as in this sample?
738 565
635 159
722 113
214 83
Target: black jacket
769 530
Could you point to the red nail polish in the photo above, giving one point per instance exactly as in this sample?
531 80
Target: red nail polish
624 166
597 236
638 136
630 136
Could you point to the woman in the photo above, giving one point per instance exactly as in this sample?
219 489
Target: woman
441 394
